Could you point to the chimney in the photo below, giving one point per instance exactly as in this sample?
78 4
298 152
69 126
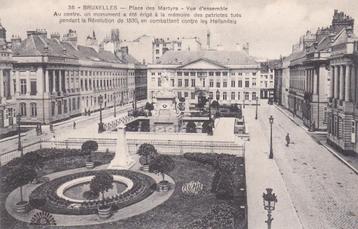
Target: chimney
71 37
208 39
46 49
15 41
246 48
55 36
124 49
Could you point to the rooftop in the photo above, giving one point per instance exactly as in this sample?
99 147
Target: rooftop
220 57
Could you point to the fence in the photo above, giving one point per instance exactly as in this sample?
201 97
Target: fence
8 156
174 147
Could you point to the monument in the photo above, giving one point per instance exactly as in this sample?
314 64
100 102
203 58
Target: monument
122 159
166 117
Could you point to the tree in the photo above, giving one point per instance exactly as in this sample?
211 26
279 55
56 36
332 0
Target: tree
149 106
215 104
162 164
147 151
223 184
191 127
202 100
101 183
207 127
88 147
19 176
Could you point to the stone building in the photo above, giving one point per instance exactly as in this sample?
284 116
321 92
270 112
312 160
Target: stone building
161 46
343 97
7 101
57 79
232 76
309 73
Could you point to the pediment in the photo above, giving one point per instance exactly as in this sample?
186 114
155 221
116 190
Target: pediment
202 64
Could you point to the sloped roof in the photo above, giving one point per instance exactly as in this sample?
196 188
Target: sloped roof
221 57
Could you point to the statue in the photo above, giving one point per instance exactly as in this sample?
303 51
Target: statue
165 81
122 159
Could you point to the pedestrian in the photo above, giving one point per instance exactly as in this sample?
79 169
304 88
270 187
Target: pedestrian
53 142
287 139
74 125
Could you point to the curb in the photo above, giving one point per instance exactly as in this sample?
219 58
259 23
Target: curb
325 146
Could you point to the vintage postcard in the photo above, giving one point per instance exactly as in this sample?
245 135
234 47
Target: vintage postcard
186 114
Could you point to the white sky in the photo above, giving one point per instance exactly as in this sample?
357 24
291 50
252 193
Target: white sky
270 26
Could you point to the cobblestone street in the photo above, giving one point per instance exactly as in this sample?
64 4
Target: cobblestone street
323 190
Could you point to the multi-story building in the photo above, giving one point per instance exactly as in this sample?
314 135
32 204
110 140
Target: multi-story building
343 96
7 101
161 46
278 70
57 79
231 76
309 74
285 81
140 48
267 79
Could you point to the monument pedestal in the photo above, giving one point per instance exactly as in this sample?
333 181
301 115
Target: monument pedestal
122 159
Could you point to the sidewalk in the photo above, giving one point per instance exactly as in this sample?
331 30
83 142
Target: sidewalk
262 173
350 161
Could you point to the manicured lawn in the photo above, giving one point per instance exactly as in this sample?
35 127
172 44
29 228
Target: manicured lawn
177 212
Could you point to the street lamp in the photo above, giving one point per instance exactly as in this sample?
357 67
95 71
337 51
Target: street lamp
100 124
257 103
210 98
271 151
19 147
269 199
114 105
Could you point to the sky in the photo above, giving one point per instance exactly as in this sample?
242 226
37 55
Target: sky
270 26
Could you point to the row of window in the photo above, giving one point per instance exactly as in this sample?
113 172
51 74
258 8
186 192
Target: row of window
23 86
106 83
208 73
62 107
105 73
211 83
223 95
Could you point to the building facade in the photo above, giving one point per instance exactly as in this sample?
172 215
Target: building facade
231 77
310 73
161 46
58 79
343 98
7 101
267 79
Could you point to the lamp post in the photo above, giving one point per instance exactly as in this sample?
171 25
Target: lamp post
100 124
257 104
19 147
271 151
210 98
269 199
114 106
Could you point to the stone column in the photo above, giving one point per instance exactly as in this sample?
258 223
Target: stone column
60 81
12 75
54 80
341 83
2 89
47 81
336 80
28 83
315 81
347 95
63 81
40 81
331 85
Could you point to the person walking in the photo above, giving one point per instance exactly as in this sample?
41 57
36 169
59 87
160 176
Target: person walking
74 125
287 139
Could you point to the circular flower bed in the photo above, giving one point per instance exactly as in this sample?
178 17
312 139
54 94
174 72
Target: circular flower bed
46 198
